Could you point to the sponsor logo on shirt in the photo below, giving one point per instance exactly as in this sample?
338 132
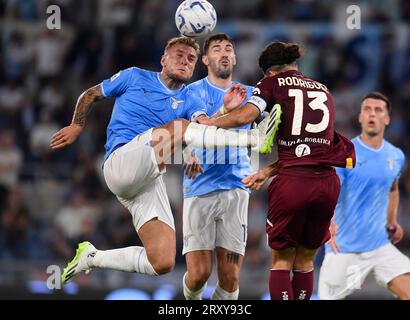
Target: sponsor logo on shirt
302 150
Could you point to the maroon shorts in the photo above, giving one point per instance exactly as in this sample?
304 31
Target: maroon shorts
301 206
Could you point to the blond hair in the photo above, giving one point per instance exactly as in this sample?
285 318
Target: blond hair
183 40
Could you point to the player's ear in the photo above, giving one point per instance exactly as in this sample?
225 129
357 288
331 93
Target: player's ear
360 117
163 60
234 59
387 120
205 60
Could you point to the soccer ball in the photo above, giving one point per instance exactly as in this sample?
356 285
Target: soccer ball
195 18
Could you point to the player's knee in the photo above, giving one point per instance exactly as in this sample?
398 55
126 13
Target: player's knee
303 262
229 279
162 259
164 265
183 123
199 277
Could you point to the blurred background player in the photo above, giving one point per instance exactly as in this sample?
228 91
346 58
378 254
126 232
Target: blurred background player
141 137
215 211
303 196
366 212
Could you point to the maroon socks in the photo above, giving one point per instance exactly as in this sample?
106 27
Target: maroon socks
302 284
281 287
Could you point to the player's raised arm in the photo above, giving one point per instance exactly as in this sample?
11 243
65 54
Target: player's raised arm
232 100
240 116
69 134
236 118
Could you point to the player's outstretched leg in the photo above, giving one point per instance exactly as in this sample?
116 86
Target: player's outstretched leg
80 263
203 136
268 128
153 260
169 138
156 257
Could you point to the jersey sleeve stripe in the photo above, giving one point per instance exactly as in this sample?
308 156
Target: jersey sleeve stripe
102 90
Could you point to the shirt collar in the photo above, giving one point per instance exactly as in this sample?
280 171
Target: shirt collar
166 87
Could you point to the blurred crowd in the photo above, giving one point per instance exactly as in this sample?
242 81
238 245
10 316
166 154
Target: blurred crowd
51 200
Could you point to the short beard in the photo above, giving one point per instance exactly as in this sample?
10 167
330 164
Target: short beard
223 74
176 78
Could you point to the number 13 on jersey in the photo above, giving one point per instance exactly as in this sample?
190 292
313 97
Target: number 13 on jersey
318 99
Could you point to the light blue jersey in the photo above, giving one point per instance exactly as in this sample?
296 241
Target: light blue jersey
224 168
361 211
143 102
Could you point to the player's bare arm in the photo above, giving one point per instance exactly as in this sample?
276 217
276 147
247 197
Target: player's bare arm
394 230
332 241
232 99
238 117
69 134
257 179
84 103
230 115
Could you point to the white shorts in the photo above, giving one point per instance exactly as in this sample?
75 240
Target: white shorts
132 174
218 219
343 273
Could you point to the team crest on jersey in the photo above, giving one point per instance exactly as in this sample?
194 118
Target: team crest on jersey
390 164
302 150
175 102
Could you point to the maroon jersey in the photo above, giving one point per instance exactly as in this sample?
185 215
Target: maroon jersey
306 134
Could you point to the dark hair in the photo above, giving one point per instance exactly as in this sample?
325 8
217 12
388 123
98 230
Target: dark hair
378 96
216 37
184 40
278 53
